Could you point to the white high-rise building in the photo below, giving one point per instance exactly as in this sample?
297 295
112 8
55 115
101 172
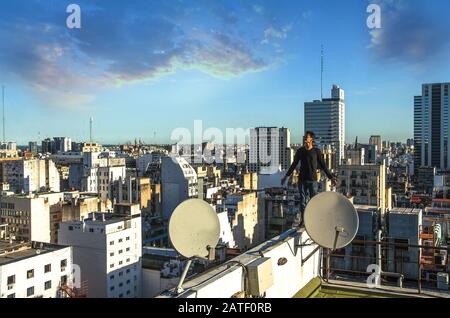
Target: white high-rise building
270 149
178 182
26 218
30 175
108 249
34 270
99 172
376 141
431 127
326 118
63 144
8 145
143 162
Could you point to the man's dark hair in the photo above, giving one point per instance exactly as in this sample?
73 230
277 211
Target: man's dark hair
310 134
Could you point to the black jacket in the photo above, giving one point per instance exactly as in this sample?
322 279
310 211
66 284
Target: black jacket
310 161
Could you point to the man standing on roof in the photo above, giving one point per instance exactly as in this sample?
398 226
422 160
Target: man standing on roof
311 161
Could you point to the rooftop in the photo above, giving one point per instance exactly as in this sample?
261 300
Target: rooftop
405 211
296 273
13 252
288 253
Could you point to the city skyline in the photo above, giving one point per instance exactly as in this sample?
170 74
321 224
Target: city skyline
231 64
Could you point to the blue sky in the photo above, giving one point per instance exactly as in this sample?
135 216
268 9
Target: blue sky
143 68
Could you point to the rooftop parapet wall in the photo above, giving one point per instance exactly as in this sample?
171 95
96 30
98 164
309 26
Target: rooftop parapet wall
227 280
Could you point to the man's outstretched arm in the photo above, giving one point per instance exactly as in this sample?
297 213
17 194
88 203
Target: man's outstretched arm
323 166
292 168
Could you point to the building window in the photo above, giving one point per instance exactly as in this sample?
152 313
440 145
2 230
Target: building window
120 263
121 284
121 251
64 280
63 265
48 285
30 273
11 280
128 260
120 273
111 288
128 249
121 296
111 277
111 243
111 254
128 282
128 238
128 271
120 240
12 296
30 291
111 266
128 292
48 268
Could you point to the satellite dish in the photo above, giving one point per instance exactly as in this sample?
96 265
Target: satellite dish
194 228
194 231
331 220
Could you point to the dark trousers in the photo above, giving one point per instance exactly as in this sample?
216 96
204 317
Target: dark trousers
308 190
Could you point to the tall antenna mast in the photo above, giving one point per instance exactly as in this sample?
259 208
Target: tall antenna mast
321 73
91 121
3 97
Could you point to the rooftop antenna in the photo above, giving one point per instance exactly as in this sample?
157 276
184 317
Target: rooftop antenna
91 122
4 127
194 231
321 72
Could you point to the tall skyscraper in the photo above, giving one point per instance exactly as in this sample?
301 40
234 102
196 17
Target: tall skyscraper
431 127
376 140
270 149
63 144
48 146
326 118
33 147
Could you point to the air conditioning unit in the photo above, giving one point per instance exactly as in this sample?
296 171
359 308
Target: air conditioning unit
260 276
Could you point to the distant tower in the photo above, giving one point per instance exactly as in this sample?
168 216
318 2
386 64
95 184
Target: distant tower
4 126
326 118
321 73
431 127
91 122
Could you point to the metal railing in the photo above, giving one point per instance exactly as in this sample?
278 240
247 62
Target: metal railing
396 259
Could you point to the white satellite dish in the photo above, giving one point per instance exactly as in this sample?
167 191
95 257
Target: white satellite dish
194 228
194 231
331 220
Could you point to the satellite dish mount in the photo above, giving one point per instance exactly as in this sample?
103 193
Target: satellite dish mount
194 231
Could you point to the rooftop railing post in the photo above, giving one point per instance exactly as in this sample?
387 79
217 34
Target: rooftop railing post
328 264
419 272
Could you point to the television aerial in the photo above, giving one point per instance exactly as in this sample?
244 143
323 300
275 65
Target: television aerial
331 220
194 231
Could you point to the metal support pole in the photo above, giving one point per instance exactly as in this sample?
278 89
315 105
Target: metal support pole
419 270
183 277
328 264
